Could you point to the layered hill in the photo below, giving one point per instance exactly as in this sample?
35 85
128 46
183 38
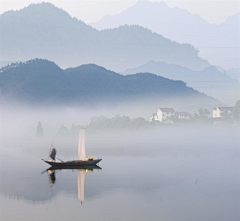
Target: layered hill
219 44
210 80
42 82
42 30
234 73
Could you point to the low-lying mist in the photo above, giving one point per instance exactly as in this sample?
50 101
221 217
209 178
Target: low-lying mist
190 166
140 137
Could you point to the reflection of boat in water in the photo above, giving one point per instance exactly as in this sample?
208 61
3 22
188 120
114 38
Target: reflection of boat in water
84 167
52 177
82 170
83 160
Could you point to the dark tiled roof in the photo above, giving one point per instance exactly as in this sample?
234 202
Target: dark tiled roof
166 109
184 114
223 108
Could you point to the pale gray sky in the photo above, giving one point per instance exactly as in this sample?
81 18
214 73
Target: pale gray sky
214 11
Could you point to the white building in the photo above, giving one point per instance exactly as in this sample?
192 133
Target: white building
184 115
218 111
153 116
162 114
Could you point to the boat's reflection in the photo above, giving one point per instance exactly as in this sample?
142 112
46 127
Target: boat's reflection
52 177
82 170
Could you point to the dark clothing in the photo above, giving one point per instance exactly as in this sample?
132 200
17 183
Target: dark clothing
53 154
52 178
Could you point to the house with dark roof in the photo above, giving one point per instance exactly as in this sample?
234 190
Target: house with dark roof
163 114
220 111
184 115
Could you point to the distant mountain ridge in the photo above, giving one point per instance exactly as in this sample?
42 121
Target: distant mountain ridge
219 44
234 73
43 82
210 80
42 30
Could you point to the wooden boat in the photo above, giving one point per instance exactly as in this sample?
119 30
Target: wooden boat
73 163
83 160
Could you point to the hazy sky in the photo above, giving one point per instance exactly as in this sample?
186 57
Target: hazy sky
214 11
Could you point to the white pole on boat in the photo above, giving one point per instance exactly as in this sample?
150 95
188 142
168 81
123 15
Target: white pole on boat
81 145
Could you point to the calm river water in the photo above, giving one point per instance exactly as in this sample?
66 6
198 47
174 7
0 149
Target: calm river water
144 179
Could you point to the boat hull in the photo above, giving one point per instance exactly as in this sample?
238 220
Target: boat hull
73 163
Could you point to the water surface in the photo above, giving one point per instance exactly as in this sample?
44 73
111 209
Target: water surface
145 178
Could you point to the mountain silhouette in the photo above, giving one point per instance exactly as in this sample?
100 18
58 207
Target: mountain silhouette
210 80
42 30
40 82
219 44
234 73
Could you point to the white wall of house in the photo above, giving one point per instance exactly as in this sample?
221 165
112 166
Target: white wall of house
167 115
153 117
218 113
162 116
184 117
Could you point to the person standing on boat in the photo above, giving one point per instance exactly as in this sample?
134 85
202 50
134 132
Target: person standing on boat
53 153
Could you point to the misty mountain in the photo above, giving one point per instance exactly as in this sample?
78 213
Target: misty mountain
234 73
210 80
219 44
42 30
43 82
5 63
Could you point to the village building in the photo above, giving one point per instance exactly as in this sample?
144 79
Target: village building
163 114
184 115
219 111
153 117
